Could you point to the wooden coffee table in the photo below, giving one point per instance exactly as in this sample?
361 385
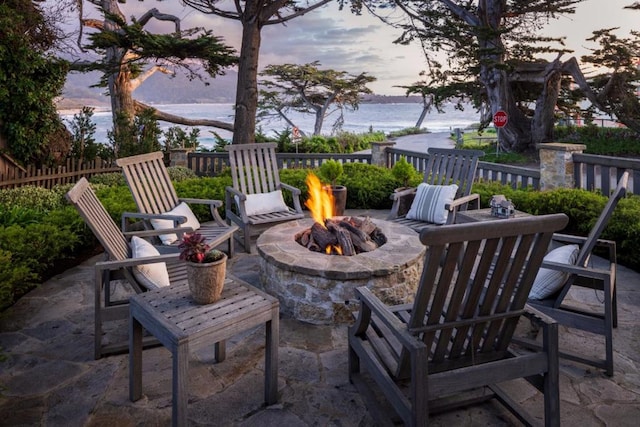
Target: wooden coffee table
171 315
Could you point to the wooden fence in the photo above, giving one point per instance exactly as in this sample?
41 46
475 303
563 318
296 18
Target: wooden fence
212 164
70 172
515 176
591 171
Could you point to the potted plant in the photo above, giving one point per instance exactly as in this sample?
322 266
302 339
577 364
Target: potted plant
206 268
331 170
403 171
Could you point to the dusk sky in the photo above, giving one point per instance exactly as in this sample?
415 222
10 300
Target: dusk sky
346 42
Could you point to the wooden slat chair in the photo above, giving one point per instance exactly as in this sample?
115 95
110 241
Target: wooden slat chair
455 338
254 169
444 167
154 194
118 265
584 275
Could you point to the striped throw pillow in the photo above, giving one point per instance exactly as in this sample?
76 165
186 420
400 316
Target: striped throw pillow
429 203
548 281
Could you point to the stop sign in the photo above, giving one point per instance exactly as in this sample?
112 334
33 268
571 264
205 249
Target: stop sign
500 119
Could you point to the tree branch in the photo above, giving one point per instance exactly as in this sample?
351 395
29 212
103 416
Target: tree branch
161 115
154 13
135 83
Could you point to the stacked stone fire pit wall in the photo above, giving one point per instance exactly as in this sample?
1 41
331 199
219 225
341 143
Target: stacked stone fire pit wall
319 288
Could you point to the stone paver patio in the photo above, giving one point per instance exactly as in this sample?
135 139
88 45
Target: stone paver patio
49 376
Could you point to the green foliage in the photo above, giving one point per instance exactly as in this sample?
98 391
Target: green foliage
83 143
111 178
203 188
370 187
27 252
403 171
137 137
18 215
601 140
177 137
406 131
15 279
343 142
180 173
116 199
30 80
32 197
307 89
331 170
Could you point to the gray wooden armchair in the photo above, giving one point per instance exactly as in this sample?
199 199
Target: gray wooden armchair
255 200
118 265
444 167
583 275
456 336
156 199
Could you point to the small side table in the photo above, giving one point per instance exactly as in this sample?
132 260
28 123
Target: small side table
176 320
479 215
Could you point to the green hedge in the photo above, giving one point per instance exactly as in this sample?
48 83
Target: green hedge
38 227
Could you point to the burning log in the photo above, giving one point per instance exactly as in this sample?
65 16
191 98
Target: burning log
345 236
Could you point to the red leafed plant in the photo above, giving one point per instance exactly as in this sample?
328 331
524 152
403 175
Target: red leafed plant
194 249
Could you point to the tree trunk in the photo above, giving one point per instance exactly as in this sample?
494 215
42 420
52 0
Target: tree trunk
244 127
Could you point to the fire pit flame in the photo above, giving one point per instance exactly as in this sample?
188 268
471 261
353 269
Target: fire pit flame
336 235
320 201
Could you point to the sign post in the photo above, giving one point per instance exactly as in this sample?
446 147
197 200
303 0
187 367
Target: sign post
500 119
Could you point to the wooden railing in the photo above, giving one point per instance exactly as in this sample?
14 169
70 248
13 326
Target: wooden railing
589 169
212 164
592 172
70 172
515 176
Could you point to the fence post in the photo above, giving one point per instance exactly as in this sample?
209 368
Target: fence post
556 164
379 153
179 156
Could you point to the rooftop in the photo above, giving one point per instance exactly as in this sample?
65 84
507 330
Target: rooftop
50 378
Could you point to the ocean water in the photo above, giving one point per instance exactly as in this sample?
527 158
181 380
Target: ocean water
376 117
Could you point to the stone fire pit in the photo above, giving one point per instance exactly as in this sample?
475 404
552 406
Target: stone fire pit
319 288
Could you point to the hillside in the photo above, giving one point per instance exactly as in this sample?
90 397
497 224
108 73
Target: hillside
163 89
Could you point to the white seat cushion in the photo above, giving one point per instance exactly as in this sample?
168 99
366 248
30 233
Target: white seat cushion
430 201
181 210
549 281
265 203
153 275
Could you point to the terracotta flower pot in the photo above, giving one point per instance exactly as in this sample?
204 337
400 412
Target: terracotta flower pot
339 199
206 280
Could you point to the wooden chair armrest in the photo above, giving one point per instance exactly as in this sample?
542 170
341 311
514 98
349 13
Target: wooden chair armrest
132 262
537 316
462 200
587 272
295 190
213 206
153 233
212 202
402 193
371 303
397 197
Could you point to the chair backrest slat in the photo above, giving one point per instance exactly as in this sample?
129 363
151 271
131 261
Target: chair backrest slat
474 286
254 167
99 220
149 181
451 166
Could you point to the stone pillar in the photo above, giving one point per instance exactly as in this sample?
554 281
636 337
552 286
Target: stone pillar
556 164
378 153
179 156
